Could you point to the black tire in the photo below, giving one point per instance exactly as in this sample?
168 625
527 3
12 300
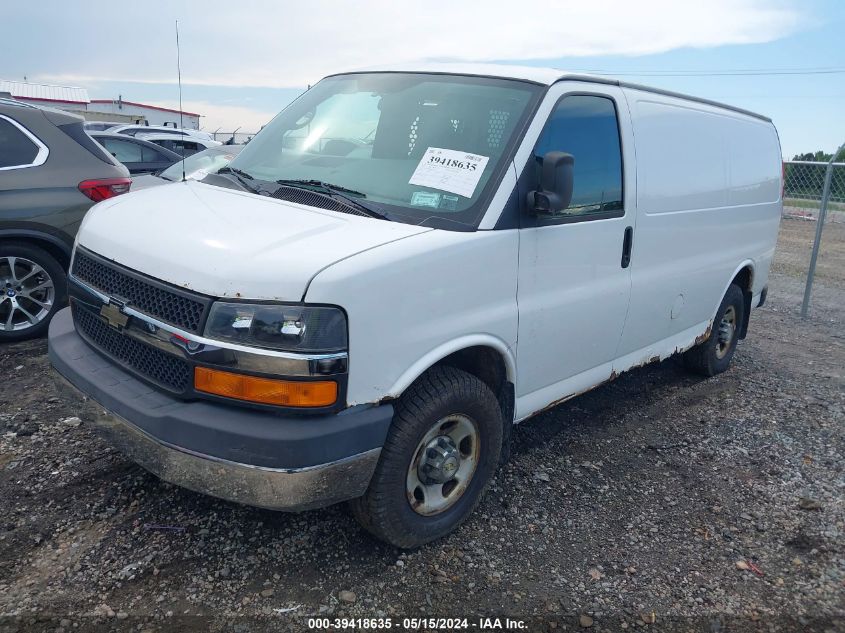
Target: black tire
714 355
385 510
50 268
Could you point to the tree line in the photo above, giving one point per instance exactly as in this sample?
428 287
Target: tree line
822 156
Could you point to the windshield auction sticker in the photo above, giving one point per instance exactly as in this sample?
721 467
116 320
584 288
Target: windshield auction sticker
449 170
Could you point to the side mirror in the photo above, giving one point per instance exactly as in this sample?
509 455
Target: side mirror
556 182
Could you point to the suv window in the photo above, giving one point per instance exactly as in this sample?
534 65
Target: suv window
587 127
124 151
16 148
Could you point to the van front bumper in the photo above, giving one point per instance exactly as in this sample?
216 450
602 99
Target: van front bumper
253 457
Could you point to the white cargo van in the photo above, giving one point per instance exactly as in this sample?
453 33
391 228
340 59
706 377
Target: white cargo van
403 264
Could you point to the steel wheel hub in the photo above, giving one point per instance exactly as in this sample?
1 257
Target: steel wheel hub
440 461
727 331
443 465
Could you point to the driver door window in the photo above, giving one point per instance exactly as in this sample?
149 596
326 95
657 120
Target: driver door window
586 126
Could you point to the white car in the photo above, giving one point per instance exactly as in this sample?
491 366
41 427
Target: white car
99 126
186 145
135 129
195 167
403 264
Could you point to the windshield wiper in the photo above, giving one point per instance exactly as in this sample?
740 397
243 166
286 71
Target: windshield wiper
320 184
241 177
348 195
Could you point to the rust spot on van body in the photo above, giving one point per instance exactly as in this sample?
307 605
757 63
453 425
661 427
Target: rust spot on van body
557 402
703 337
613 376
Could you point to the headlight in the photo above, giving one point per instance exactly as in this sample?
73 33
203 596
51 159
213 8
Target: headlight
292 328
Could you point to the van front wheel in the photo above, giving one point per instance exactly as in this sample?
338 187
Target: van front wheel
441 451
714 355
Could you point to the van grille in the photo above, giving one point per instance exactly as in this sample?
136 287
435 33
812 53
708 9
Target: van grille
174 306
166 370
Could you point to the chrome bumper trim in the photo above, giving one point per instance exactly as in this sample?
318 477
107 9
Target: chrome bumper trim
158 334
291 490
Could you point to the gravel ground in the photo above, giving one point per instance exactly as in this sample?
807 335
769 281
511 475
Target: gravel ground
660 501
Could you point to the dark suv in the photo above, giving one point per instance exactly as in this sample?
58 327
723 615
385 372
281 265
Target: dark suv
51 172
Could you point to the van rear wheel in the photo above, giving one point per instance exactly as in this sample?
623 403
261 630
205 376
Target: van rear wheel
714 355
441 451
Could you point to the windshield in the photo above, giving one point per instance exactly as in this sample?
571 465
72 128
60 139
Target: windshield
419 146
199 165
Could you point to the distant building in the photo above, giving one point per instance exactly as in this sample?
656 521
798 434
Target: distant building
153 115
64 97
76 100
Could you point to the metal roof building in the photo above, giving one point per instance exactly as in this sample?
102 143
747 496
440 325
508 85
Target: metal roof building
152 114
48 93
76 100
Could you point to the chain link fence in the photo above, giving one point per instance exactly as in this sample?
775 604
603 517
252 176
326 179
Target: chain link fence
814 191
803 192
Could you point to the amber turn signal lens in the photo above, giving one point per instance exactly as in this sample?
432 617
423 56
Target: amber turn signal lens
285 393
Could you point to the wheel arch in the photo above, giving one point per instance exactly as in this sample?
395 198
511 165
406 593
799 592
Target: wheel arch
54 245
743 276
482 355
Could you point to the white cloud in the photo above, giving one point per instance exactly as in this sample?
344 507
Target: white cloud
252 43
282 44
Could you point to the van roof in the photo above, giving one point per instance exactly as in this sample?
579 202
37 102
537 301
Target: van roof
542 76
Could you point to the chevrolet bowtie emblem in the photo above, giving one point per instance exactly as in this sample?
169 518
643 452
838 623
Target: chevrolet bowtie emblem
112 314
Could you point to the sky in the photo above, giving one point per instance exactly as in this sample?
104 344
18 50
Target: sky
244 61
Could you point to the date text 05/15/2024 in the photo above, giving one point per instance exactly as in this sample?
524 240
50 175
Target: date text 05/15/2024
418 624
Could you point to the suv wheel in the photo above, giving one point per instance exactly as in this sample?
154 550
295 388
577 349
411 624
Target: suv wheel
440 453
33 289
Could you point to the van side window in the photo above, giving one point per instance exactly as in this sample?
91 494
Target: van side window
587 127
16 150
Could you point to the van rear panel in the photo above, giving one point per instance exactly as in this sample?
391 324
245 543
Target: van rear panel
708 205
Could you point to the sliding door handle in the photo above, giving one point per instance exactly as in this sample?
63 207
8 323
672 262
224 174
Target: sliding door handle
627 242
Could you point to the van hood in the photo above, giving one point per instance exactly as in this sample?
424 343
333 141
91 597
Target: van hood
227 243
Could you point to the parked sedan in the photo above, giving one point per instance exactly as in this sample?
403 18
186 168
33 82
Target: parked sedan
139 156
187 145
196 167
